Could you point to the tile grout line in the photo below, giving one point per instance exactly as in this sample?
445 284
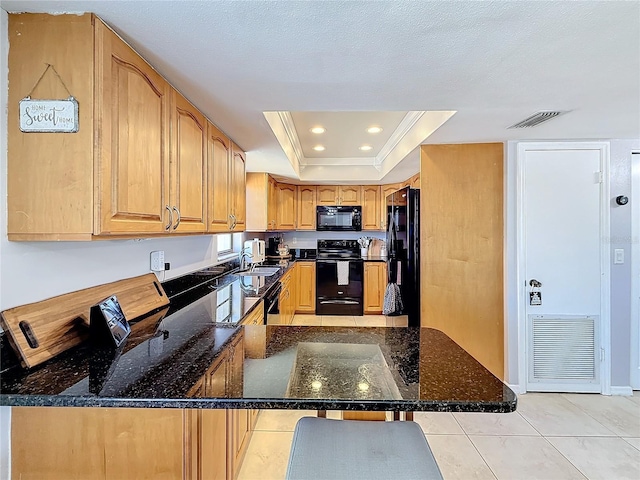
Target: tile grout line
566 458
589 415
481 456
484 460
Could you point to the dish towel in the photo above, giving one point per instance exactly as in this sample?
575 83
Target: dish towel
392 300
343 273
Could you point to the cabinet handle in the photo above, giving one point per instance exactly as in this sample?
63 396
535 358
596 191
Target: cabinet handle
175 209
168 225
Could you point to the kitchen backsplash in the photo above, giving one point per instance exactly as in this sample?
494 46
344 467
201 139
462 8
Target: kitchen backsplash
310 239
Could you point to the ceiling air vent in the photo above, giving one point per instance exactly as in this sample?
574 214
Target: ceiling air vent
536 119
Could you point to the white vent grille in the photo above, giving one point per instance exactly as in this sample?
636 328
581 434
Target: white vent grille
537 119
563 350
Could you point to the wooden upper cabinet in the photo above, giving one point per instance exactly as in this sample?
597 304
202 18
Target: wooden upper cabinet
237 189
272 204
188 167
386 191
306 207
327 194
218 161
338 194
133 153
415 181
50 182
350 195
371 217
286 215
144 161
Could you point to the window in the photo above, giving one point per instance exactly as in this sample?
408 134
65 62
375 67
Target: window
225 244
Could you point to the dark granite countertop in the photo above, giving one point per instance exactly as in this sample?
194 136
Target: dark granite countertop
375 259
327 368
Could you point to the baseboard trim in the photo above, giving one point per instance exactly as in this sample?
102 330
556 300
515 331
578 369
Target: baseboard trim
517 388
626 391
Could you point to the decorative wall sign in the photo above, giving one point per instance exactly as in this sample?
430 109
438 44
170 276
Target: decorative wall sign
49 115
59 116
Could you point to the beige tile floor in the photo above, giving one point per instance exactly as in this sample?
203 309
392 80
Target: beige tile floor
550 436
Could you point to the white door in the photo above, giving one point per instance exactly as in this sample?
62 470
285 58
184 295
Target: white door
635 271
561 264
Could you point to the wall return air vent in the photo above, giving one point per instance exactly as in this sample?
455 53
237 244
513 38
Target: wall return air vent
537 119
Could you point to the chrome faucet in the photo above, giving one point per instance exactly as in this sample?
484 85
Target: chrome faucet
243 260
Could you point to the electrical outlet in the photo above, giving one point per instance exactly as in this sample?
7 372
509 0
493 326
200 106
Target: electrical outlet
157 261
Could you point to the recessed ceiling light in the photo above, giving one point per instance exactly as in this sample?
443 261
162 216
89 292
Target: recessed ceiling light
374 129
318 130
365 148
318 148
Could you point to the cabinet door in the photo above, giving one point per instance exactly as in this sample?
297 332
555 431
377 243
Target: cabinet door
239 420
415 181
306 287
132 449
216 378
306 207
375 276
272 205
286 218
132 109
327 194
386 191
219 154
349 195
188 167
97 443
371 207
238 187
210 449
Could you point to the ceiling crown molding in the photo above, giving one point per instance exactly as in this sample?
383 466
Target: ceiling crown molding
292 135
414 128
407 123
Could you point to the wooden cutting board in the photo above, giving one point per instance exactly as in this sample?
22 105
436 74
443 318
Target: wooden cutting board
60 323
375 246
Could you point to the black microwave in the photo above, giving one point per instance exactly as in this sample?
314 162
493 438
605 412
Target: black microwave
338 219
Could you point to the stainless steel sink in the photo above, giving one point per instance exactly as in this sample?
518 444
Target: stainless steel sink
259 272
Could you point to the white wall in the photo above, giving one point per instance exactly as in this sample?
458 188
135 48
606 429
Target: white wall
620 237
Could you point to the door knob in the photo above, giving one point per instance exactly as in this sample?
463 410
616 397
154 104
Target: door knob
534 283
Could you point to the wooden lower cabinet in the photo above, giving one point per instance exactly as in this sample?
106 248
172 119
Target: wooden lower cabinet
102 443
288 296
240 428
54 443
375 283
208 435
306 286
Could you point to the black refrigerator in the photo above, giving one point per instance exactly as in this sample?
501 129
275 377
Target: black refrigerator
403 249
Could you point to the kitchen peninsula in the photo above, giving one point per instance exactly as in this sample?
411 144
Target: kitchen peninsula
197 372
393 369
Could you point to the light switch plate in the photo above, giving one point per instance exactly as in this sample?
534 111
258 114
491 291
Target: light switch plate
618 256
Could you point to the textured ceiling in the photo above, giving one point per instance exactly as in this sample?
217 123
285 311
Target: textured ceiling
494 62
